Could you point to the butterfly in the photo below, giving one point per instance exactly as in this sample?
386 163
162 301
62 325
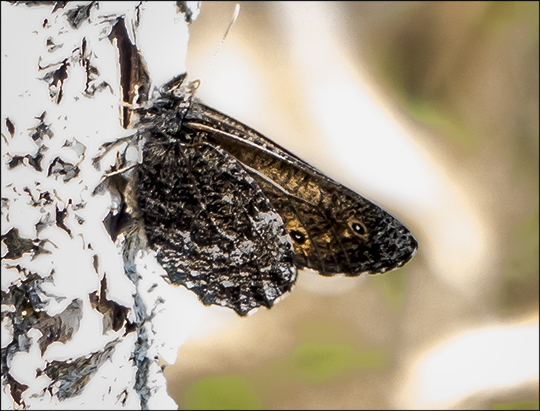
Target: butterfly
232 216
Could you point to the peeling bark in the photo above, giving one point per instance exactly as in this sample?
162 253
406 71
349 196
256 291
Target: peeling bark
61 268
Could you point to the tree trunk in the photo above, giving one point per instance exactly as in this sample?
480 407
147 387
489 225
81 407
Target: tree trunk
77 314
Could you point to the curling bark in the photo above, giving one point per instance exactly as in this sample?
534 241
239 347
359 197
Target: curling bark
76 311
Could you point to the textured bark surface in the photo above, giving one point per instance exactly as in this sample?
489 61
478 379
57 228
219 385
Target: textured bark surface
75 312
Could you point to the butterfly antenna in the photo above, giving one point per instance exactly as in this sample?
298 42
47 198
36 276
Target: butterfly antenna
233 20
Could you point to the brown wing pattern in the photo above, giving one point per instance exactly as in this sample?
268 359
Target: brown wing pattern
333 229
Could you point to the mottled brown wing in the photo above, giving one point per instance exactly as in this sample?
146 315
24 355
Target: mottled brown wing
334 230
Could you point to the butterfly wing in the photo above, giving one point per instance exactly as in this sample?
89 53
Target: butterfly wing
214 231
333 229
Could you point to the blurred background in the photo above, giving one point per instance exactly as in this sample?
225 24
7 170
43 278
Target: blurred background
429 109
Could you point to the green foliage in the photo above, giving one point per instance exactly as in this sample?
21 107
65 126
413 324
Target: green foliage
520 284
321 362
518 405
231 392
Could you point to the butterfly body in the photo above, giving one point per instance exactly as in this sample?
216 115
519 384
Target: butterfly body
232 215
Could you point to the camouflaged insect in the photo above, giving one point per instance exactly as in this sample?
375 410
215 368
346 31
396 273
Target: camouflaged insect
232 216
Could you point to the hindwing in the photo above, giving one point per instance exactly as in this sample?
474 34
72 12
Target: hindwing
214 231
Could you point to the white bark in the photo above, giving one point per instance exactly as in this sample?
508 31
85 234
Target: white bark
66 298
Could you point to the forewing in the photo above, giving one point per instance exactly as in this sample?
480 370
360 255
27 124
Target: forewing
334 230
214 231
